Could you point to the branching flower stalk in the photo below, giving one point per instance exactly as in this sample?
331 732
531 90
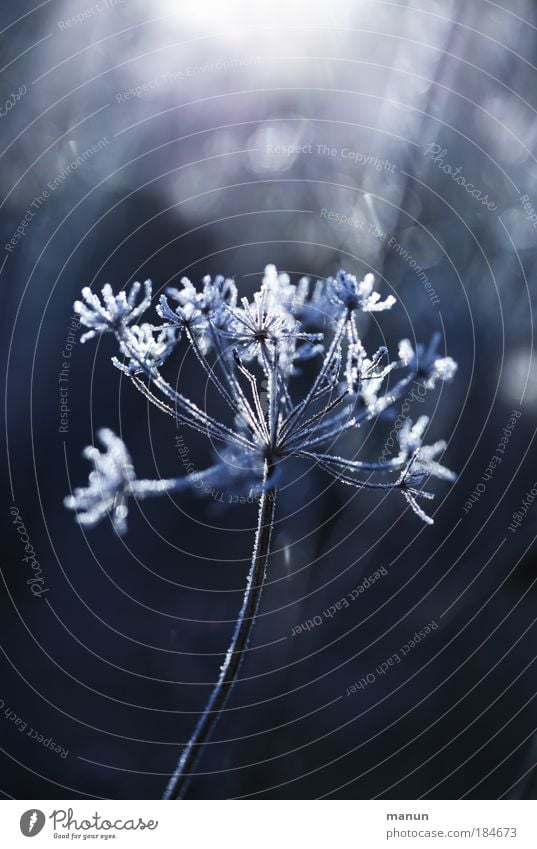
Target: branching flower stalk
252 353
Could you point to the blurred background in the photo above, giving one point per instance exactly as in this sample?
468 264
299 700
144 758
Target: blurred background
160 140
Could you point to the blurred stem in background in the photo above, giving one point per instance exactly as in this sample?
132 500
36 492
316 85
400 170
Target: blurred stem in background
443 85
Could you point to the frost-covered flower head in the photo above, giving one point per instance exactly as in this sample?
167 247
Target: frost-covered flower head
145 348
419 462
199 311
249 352
427 362
111 312
354 294
109 483
267 327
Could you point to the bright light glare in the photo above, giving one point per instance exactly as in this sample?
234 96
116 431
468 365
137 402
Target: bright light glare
233 15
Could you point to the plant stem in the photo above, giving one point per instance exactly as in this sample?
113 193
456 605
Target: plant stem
239 643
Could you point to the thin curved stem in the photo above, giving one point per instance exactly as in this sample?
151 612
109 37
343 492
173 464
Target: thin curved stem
239 643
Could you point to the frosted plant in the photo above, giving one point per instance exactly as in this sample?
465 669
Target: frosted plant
252 353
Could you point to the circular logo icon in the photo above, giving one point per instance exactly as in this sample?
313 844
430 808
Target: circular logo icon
32 822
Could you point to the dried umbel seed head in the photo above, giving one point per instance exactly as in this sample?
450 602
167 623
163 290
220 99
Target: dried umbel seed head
250 351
